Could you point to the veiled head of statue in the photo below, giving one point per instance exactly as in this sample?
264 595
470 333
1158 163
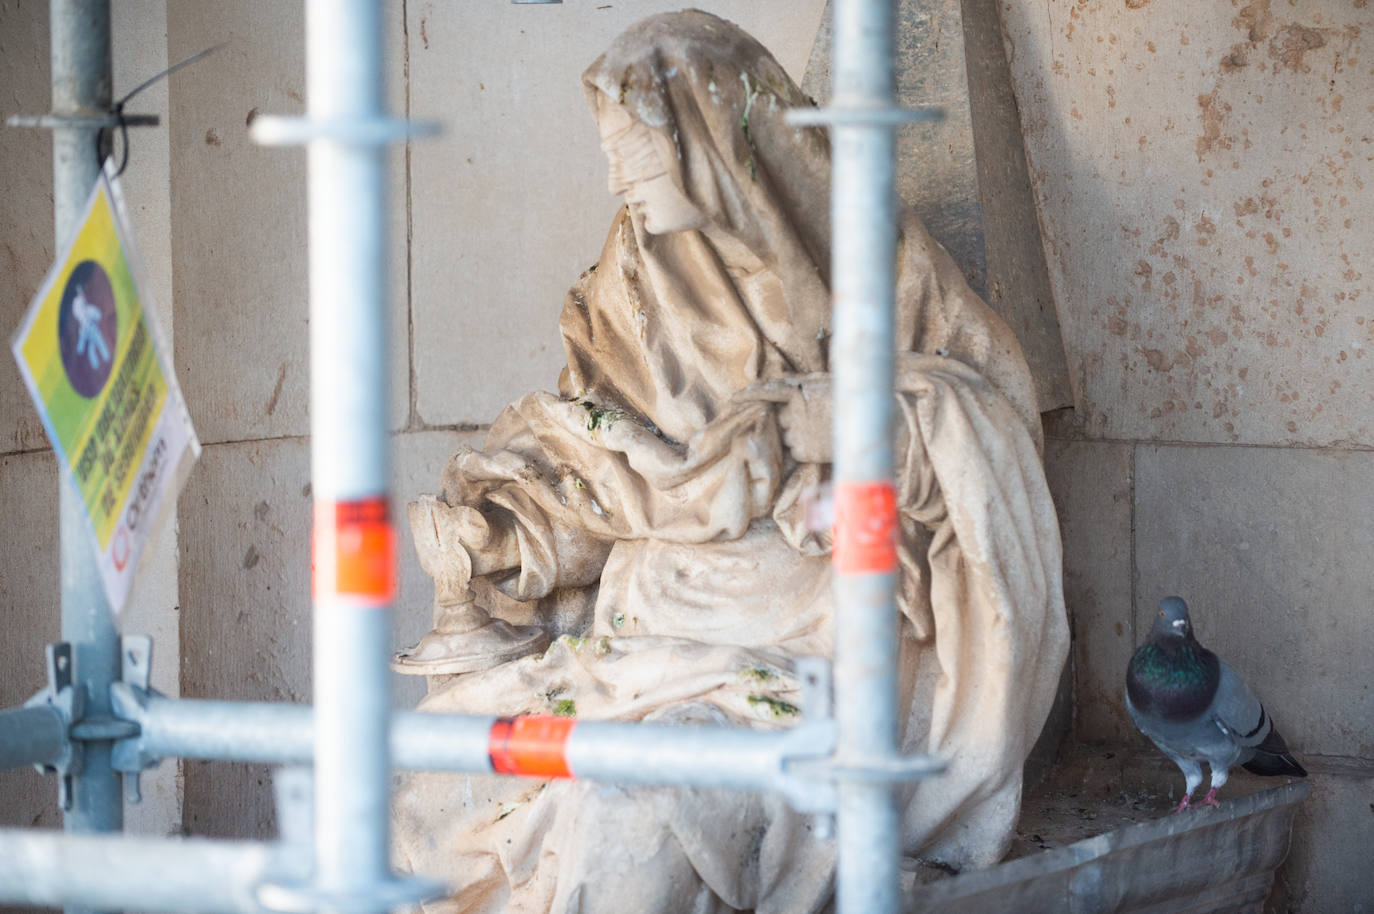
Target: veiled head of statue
689 102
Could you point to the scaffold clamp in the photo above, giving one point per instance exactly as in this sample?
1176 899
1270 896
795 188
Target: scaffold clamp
812 777
69 700
128 699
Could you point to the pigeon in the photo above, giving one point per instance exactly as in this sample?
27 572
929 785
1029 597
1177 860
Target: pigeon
1196 709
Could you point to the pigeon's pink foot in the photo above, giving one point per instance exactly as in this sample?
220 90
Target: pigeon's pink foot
1183 804
1210 799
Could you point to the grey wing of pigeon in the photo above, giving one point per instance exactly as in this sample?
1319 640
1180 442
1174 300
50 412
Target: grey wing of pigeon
1241 718
1263 751
1240 715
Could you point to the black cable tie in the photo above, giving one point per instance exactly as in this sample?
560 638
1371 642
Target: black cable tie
117 109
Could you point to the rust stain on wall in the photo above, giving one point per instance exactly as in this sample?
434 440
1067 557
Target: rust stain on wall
1214 112
1144 271
1205 229
1157 360
1294 41
276 391
1255 20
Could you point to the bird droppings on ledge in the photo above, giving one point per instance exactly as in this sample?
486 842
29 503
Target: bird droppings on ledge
1093 790
1088 793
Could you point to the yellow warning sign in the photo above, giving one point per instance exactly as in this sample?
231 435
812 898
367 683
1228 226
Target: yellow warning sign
92 359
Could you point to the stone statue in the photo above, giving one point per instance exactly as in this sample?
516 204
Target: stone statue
663 484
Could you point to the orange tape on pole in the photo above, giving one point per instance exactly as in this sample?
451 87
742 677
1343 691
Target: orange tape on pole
865 538
533 746
355 552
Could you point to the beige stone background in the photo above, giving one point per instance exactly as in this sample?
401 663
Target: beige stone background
1195 175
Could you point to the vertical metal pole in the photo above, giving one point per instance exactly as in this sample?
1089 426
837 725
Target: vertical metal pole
81 78
350 444
862 355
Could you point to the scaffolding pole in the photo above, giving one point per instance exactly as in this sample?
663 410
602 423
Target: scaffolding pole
81 86
31 736
150 874
350 463
863 260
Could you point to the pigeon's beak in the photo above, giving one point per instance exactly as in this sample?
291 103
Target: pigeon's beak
1179 624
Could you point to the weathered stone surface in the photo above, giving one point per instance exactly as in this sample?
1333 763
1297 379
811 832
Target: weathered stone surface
29 594
1200 177
936 172
1018 282
244 526
1095 789
1091 482
966 174
510 204
1213 860
139 34
1328 867
239 221
1268 548
26 222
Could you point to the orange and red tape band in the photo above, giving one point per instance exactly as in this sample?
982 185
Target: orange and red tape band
865 536
532 746
354 553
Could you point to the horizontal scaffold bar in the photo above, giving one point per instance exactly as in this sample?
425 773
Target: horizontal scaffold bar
32 736
791 761
111 873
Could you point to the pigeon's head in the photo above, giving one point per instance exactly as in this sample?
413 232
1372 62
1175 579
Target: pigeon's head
1173 619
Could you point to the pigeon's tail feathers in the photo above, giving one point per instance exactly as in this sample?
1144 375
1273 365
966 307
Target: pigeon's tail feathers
1269 764
1273 758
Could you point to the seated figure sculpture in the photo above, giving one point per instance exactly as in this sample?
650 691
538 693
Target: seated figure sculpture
664 482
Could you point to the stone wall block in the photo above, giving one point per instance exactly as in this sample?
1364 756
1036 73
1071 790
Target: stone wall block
239 221
26 220
1091 483
1328 864
30 591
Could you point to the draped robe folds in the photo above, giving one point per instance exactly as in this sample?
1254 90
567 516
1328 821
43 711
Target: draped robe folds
648 482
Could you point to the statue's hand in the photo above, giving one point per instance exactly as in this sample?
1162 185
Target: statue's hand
805 408
454 543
